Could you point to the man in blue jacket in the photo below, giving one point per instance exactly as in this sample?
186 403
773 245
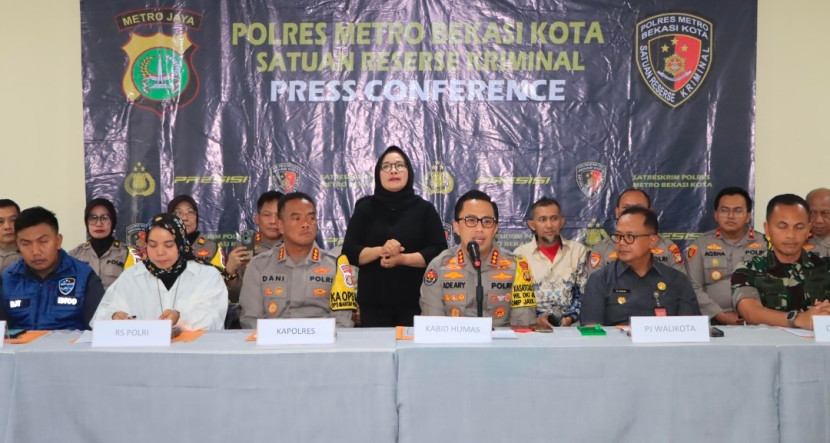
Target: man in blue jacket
47 289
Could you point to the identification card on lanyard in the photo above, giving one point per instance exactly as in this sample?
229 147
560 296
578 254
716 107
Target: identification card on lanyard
659 310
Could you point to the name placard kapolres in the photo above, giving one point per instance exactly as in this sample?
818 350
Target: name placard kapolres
452 329
681 329
295 331
131 333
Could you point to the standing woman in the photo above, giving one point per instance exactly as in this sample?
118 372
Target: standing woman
392 235
102 252
168 284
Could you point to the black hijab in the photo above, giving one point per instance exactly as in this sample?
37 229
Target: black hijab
175 226
100 245
399 199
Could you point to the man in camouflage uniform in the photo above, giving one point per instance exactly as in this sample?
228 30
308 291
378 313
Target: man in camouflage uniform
449 286
298 279
787 285
819 241
665 251
8 245
712 258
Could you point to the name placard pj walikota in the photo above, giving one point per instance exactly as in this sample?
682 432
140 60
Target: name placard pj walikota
681 329
131 333
295 331
821 327
452 329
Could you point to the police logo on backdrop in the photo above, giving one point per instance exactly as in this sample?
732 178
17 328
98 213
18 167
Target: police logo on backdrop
591 178
438 180
286 177
673 52
139 182
159 75
66 285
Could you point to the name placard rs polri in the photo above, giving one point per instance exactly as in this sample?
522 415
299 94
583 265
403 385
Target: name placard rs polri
429 329
131 333
679 329
295 331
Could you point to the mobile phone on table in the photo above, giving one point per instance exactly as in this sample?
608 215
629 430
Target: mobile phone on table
715 332
15 333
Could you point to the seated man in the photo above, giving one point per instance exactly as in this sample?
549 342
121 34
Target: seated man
8 245
558 266
47 289
712 258
297 279
449 286
267 237
663 251
819 241
635 284
787 285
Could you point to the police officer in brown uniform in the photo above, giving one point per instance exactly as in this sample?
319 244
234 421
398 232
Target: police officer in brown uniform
712 258
298 279
8 246
449 286
267 237
665 251
102 252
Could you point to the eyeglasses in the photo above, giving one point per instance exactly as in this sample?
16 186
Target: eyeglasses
825 214
387 167
472 221
94 219
181 214
737 212
629 238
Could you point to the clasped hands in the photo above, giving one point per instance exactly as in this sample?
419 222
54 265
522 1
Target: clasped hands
391 254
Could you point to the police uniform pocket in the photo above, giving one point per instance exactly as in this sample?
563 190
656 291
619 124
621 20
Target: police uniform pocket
273 306
715 270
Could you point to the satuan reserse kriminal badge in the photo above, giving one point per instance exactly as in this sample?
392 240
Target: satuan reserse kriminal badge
159 75
673 53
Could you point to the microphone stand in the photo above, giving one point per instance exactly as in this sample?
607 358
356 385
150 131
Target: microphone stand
479 293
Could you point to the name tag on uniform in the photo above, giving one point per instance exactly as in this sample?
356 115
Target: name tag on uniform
680 329
821 326
131 333
295 331
453 329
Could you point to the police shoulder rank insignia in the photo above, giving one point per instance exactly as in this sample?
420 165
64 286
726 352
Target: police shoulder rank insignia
673 51
66 285
430 277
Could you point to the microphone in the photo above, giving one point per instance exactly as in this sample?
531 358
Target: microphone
472 249
475 255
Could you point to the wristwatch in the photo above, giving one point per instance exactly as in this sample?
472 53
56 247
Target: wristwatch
791 318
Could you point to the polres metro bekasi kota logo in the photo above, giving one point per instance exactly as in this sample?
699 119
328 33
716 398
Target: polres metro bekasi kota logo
159 75
674 52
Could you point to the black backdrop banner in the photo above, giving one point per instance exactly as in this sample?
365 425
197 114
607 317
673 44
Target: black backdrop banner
573 99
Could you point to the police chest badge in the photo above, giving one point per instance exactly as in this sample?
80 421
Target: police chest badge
66 285
673 52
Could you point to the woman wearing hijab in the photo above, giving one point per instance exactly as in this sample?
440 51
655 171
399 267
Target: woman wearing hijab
168 284
102 251
392 235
